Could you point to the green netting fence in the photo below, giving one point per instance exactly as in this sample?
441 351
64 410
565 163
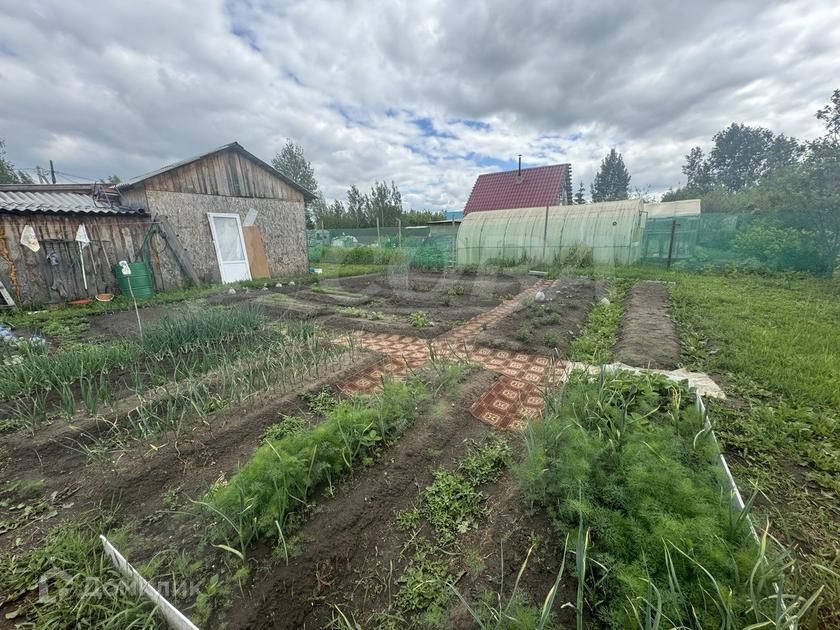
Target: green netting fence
422 247
676 235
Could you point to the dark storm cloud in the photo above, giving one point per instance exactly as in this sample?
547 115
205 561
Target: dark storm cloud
426 93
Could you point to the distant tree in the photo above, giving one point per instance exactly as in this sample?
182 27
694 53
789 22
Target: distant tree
679 194
113 180
293 164
783 152
383 203
644 194
612 181
698 172
420 217
8 174
356 206
579 195
743 155
830 115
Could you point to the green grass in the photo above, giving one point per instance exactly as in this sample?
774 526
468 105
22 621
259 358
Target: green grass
336 270
773 341
780 332
82 587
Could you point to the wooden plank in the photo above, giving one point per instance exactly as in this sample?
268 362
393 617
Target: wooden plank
10 301
177 249
257 259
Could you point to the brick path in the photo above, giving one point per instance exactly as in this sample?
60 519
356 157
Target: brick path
511 397
515 395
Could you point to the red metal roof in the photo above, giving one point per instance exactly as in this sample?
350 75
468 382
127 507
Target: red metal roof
541 186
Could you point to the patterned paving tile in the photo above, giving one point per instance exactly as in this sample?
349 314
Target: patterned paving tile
507 403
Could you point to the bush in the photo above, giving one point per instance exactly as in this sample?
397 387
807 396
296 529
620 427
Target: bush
578 255
779 248
429 258
363 255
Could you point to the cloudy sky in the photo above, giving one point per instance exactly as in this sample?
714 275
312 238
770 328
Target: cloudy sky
426 93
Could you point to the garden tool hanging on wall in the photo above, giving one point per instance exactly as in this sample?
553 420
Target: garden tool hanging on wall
83 240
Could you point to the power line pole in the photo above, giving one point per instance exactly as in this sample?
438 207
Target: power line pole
52 172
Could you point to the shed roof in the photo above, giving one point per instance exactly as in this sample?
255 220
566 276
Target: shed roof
232 146
540 186
41 199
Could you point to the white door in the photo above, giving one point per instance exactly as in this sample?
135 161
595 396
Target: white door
230 247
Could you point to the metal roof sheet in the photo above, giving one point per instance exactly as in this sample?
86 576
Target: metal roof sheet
56 203
540 186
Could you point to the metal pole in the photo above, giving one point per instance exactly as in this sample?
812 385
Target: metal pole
671 244
399 233
378 240
545 234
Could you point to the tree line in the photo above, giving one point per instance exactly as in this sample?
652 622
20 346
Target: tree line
794 184
383 203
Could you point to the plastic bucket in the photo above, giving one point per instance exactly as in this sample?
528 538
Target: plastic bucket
142 283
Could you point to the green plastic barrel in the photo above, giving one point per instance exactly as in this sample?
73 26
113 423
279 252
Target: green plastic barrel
142 283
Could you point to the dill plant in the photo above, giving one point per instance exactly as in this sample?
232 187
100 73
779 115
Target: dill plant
627 456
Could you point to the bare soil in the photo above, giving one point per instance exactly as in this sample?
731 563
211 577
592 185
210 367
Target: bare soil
387 302
648 336
549 327
136 480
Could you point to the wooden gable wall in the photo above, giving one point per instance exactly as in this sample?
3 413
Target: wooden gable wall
227 174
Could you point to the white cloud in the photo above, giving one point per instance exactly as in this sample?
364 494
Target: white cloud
127 87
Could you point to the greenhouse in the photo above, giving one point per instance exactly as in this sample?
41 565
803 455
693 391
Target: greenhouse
616 232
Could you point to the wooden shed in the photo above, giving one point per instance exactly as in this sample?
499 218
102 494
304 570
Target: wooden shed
50 270
236 216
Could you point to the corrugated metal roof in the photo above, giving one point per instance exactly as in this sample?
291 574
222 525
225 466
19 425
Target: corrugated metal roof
56 203
541 186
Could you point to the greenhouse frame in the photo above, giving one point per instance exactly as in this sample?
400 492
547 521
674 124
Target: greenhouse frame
615 233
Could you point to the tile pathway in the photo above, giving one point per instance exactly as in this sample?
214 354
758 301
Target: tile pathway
504 404
514 396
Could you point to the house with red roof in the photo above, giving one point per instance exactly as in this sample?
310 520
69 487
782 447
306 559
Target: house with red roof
522 188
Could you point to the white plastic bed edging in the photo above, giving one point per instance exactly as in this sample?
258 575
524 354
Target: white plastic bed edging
174 617
737 499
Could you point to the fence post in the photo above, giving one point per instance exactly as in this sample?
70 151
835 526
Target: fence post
378 239
399 233
671 243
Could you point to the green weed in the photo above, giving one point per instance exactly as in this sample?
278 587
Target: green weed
600 333
420 319
287 426
78 584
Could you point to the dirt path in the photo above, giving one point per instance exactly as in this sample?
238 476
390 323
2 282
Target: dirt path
349 537
648 336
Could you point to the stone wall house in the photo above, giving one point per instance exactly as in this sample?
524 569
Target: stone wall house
212 198
233 217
